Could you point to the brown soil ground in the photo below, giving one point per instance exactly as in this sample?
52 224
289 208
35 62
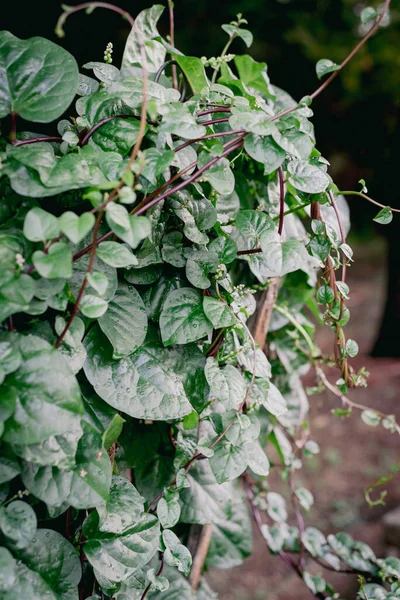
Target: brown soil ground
352 455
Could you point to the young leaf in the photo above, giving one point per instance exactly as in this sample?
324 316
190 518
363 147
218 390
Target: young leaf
325 66
74 227
384 216
57 263
40 225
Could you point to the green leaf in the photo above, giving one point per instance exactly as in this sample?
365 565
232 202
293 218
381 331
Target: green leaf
368 14
282 257
125 322
305 497
145 385
129 228
156 162
225 248
194 72
219 175
34 170
168 512
10 360
198 215
244 34
47 394
107 73
219 313
47 568
253 74
117 557
199 265
276 507
226 384
325 66
176 554
275 402
253 223
92 306
228 462
15 293
264 150
123 509
40 225
231 540
39 78
320 247
118 135
177 119
99 282
18 523
351 348
182 319
253 121
307 178
325 295
384 216
85 486
370 417
74 227
56 263
55 451
113 431
116 255
144 32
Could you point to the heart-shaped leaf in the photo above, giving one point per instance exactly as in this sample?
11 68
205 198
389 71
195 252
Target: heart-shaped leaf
40 78
56 263
74 227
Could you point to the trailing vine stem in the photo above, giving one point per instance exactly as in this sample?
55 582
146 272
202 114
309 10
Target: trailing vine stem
362 195
90 5
172 42
281 199
84 282
160 570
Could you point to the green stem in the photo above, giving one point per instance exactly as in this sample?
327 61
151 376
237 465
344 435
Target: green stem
351 193
313 349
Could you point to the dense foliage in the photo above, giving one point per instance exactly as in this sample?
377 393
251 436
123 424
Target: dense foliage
164 256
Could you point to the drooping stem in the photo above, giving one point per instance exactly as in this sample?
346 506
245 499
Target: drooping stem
172 41
281 199
313 349
90 5
361 195
84 282
35 140
160 570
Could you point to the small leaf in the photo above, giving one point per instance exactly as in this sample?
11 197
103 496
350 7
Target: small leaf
176 554
370 417
351 348
384 216
325 295
368 14
116 255
305 497
18 523
92 306
57 263
98 281
40 225
168 512
74 227
325 66
113 431
219 313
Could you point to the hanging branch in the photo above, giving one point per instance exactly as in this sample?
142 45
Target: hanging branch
90 6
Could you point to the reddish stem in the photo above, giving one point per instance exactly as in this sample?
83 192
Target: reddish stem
281 200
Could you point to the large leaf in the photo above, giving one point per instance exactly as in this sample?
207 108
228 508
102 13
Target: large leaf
231 540
282 257
18 523
34 170
38 79
194 72
144 32
182 319
226 384
125 322
123 509
85 486
307 178
264 150
144 385
205 501
47 395
117 556
47 569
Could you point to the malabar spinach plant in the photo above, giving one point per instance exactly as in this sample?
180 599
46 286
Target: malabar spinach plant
165 253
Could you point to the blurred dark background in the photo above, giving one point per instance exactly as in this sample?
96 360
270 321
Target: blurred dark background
357 120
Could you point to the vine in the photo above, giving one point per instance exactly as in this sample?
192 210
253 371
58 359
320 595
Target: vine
149 341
